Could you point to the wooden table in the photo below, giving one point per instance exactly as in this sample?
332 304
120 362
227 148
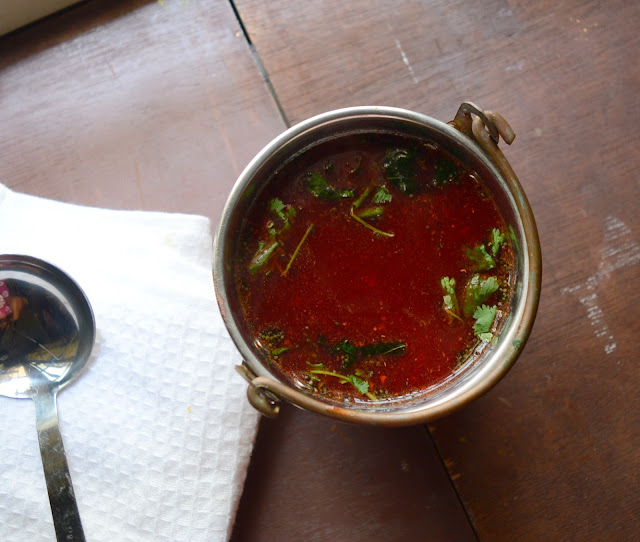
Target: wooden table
159 105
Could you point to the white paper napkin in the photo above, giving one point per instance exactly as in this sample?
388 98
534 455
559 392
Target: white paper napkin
157 430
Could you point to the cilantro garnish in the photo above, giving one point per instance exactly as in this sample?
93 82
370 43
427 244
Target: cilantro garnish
358 383
381 349
262 256
481 257
446 171
450 301
282 211
478 291
382 195
370 212
484 317
346 350
348 353
362 197
276 206
399 167
367 225
497 239
319 187
297 250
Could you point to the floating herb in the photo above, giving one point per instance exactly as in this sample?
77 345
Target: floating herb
382 195
282 211
497 239
371 212
297 250
446 171
381 349
362 197
367 225
348 353
399 168
358 383
484 317
477 292
481 258
262 256
319 187
450 301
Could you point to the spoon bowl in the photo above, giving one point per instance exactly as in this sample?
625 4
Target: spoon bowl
47 332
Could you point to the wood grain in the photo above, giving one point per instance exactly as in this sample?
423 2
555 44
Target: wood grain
331 481
553 452
133 105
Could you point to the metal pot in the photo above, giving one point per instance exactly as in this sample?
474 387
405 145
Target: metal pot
472 138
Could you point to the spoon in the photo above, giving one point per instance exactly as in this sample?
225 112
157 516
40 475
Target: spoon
47 331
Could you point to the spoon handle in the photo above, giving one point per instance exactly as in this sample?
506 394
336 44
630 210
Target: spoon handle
66 518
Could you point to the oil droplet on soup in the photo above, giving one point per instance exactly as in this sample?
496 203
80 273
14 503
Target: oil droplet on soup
371 267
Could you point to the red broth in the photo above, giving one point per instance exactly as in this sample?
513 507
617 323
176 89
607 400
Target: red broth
340 279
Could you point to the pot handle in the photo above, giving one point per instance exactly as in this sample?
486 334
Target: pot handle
260 397
485 128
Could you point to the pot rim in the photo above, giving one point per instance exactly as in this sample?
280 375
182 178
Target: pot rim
502 356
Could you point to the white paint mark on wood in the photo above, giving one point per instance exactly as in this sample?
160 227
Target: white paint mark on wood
516 66
618 251
406 61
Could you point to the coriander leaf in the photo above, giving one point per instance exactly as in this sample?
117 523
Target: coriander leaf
450 301
481 257
448 285
484 317
276 206
497 239
358 383
281 211
278 351
487 287
486 337
297 250
262 256
361 385
382 349
370 212
399 167
477 292
362 197
382 195
346 350
367 225
319 187
349 353
446 171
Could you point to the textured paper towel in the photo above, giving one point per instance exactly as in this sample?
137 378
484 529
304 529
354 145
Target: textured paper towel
157 430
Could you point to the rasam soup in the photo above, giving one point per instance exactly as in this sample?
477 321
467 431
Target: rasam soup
371 267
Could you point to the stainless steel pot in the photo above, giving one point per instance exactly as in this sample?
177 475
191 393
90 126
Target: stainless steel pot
472 137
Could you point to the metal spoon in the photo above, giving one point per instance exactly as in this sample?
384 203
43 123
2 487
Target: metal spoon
47 331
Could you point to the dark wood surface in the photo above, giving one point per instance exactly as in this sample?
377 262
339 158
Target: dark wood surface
159 105
553 452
